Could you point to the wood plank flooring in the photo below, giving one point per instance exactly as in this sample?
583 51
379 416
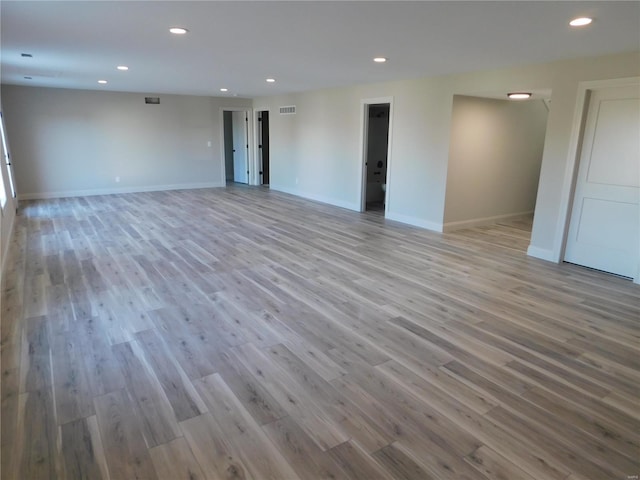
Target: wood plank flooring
240 333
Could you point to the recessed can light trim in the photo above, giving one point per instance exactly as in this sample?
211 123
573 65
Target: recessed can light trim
270 80
122 68
178 30
580 22
224 89
380 59
102 82
519 95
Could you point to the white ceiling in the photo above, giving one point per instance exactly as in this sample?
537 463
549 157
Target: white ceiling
304 45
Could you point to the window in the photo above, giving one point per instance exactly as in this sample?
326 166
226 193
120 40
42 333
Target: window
3 194
7 161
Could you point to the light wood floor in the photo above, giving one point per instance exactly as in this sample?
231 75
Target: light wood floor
241 333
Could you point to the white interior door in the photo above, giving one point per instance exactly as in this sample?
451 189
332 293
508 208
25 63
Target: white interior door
240 147
603 232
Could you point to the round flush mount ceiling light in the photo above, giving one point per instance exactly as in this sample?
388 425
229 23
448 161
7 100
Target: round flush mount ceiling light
580 22
123 68
519 95
380 59
224 89
102 82
271 80
178 30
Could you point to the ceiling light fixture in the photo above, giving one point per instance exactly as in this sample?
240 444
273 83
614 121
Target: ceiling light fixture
380 59
28 78
271 80
26 55
178 30
580 22
519 95
224 89
124 68
102 82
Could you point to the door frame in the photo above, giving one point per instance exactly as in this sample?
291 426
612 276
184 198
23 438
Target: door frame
250 134
573 160
255 178
364 131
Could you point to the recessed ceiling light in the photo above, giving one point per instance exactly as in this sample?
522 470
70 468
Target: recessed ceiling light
102 82
380 59
124 68
224 89
580 22
519 95
271 80
178 30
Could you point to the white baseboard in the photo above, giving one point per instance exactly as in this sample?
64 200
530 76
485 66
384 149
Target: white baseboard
477 222
415 221
111 191
542 253
317 198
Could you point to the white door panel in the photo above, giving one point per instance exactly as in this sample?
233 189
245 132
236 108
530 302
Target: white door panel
599 216
613 140
605 219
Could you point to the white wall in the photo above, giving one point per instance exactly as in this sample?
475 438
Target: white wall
313 150
320 146
494 159
69 142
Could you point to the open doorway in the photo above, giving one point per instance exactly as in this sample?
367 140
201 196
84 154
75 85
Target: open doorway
376 131
236 146
263 148
495 157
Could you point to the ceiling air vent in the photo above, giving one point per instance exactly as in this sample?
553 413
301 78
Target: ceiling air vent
288 110
152 100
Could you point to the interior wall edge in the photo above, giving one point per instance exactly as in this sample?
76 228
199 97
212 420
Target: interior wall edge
543 254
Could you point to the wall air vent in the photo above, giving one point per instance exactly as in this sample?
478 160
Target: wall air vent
288 110
152 100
